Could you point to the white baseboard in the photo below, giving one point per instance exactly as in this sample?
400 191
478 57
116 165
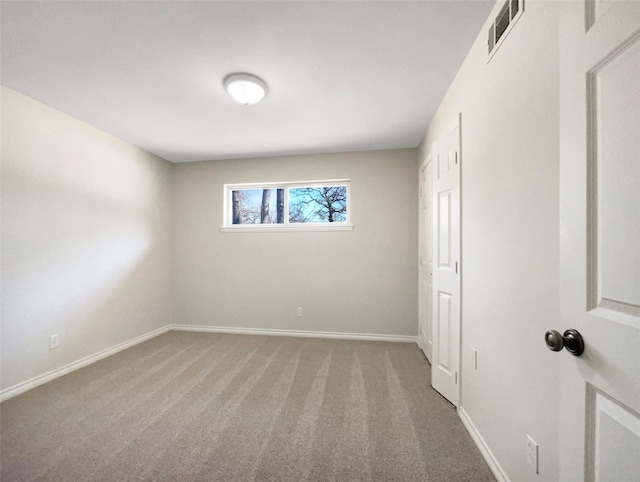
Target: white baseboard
491 460
295 333
22 387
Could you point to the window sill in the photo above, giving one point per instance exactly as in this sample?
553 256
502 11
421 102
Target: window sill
254 228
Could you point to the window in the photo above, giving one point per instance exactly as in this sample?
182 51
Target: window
314 205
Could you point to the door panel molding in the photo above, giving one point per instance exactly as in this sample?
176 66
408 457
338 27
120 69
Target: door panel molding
445 370
601 270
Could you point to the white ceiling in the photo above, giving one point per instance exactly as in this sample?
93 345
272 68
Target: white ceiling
342 76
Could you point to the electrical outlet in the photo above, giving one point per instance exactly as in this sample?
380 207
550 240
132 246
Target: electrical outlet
54 341
475 358
299 311
532 453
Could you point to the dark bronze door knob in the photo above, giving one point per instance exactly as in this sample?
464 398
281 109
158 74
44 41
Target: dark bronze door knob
571 340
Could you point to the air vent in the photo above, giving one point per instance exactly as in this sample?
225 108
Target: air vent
508 15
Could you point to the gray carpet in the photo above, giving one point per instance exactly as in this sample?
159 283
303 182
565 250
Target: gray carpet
195 406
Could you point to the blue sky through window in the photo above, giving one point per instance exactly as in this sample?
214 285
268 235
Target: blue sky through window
307 204
313 204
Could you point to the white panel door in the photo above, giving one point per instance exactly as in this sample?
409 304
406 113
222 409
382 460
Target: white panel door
425 331
600 239
446 265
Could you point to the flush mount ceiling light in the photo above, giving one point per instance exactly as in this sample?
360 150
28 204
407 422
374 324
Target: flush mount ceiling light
245 89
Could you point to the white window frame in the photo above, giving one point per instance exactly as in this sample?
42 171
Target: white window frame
229 227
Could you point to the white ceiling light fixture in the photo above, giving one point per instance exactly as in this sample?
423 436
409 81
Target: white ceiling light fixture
245 89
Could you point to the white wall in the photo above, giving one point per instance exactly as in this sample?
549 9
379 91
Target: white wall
85 239
360 281
510 236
